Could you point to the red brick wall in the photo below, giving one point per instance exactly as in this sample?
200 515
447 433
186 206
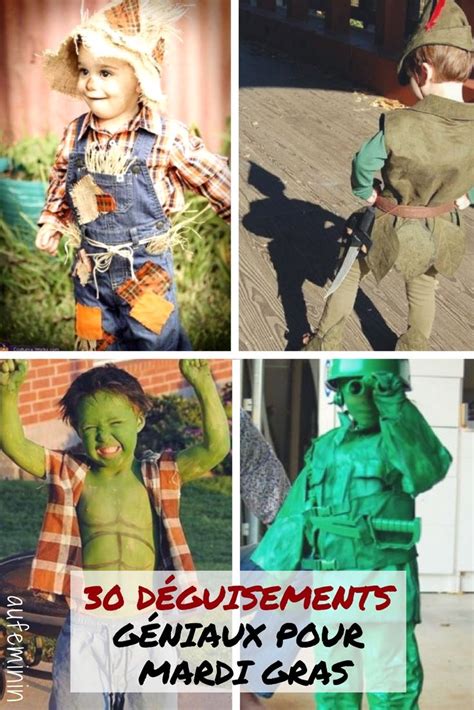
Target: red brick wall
48 380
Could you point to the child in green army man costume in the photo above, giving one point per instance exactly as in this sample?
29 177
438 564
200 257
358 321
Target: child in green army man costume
426 156
107 510
365 473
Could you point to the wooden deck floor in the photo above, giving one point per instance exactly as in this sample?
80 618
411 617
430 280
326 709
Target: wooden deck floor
298 131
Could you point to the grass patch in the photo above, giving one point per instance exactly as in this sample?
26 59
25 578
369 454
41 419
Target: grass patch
36 298
36 295
202 272
206 514
22 505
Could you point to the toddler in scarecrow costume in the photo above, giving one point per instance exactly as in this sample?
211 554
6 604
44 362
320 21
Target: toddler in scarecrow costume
371 467
426 157
120 171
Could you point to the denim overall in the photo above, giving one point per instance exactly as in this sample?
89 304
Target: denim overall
137 216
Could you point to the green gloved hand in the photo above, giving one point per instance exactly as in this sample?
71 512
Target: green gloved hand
388 393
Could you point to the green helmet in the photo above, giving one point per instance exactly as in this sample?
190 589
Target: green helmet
352 367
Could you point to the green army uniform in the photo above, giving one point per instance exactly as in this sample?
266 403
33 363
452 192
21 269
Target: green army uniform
352 474
426 156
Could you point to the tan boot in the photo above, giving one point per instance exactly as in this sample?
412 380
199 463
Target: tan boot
413 339
331 340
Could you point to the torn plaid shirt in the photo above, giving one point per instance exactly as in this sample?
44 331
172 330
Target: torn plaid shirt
59 549
178 161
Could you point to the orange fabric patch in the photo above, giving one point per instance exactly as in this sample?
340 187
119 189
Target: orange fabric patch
106 203
150 277
152 311
89 322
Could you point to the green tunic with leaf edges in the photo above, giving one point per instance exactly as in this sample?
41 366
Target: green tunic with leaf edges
426 156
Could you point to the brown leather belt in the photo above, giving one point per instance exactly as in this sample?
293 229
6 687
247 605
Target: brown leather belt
412 211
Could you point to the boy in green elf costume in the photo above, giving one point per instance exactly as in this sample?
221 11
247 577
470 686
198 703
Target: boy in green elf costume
426 156
106 509
362 477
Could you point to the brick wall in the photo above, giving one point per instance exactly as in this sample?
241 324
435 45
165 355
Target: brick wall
48 380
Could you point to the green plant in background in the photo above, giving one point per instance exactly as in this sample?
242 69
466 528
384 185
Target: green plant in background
225 149
174 422
32 157
202 272
4 146
36 298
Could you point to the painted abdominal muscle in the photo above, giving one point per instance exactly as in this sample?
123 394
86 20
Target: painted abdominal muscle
118 544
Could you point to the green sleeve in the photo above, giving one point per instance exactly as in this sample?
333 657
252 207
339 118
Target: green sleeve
369 160
470 194
281 548
412 447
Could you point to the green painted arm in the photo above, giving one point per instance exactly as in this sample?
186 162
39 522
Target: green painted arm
24 453
200 458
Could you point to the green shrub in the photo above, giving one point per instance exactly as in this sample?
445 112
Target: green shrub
33 157
175 423
202 272
36 298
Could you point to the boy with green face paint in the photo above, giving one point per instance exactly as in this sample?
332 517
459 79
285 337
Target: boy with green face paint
106 509
426 157
370 468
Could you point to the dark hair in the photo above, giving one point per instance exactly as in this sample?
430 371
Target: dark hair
449 63
107 378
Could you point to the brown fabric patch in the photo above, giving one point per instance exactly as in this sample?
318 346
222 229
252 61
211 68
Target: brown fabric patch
89 322
84 196
107 340
83 267
106 203
159 51
151 278
152 311
125 17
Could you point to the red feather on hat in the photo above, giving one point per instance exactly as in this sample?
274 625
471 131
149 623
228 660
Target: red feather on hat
435 16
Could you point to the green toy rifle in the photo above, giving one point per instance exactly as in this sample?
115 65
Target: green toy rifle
366 528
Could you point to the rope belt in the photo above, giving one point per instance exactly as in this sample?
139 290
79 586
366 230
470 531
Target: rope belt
103 260
412 211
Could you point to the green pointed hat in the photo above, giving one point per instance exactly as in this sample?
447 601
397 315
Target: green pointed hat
442 22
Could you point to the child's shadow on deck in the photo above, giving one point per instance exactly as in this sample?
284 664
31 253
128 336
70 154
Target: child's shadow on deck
303 245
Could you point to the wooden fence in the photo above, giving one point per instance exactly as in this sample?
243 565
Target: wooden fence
344 34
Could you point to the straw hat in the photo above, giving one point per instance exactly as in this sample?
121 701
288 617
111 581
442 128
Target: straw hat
442 22
134 31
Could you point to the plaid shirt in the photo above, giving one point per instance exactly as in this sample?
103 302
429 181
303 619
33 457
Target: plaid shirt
177 161
59 548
